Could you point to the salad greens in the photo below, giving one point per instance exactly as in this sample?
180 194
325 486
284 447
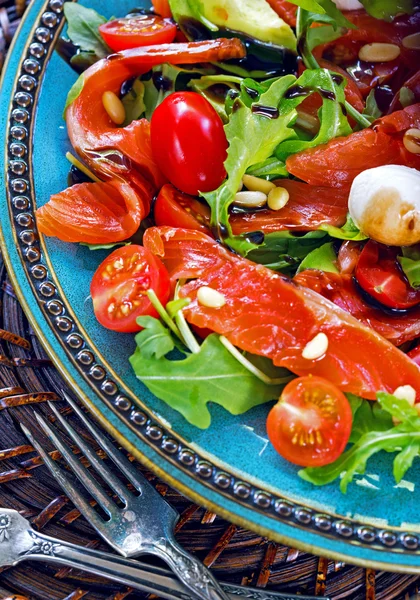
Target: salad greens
187 385
82 29
410 264
349 231
323 259
388 9
254 137
374 431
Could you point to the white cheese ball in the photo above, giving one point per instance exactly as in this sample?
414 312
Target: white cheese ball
348 4
384 203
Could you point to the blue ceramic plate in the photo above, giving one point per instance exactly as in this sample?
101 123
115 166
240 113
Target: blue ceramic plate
230 468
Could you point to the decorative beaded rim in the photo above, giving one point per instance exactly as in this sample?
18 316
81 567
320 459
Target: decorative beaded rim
20 191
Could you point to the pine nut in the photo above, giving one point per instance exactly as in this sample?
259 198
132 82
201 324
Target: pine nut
250 199
411 140
316 348
406 392
377 52
207 296
412 42
278 198
114 107
256 184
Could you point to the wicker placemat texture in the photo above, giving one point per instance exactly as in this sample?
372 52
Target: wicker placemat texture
28 379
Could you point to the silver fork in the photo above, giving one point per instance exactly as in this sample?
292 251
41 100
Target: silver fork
144 525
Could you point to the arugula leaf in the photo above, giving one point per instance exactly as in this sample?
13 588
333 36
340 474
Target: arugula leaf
387 9
410 264
82 29
211 375
323 259
333 121
407 97
403 439
367 416
208 83
272 168
155 339
349 231
246 131
283 250
372 111
74 92
133 102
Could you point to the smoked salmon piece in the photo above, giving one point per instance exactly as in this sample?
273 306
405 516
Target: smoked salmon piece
269 315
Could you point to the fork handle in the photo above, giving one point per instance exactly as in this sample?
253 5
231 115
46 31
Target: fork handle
193 574
122 570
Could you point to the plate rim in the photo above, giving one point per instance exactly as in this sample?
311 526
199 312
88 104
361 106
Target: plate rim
32 12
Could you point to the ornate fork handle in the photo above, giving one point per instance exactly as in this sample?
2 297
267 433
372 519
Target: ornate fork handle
122 570
194 575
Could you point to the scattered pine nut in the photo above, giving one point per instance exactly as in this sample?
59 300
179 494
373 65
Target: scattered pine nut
406 392
114 107
411 140
207 296
412 42
250 199
256 184
278 198
316 348
378 52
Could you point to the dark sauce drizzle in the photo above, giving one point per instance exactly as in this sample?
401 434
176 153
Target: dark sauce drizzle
265 111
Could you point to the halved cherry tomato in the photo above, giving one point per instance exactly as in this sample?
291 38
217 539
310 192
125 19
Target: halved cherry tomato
343 290
380 275
162 8
176 209
119 287
94 213
311 423
136 31
189 143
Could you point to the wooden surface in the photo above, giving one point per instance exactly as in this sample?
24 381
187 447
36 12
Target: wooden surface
27 379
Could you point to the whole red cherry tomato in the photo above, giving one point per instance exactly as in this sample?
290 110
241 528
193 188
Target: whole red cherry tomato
119 287
139 30
311 423
189 143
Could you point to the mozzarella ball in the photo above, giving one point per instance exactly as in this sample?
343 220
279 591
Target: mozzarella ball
348 4
384 203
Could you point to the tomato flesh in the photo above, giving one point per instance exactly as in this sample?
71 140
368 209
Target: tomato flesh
189 143
311 424
175 209
119 287
380 275
136 31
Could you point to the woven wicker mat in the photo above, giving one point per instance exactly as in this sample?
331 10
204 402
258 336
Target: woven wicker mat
26 379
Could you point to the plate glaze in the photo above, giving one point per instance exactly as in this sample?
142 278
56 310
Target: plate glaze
230 468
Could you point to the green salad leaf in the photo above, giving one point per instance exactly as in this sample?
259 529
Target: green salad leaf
333 121
410 264
133 102
372 110
188 385
74 92
254 136
272 168
183 10
323 258
104 246
83 29
373 431
284 250
388 9
349 231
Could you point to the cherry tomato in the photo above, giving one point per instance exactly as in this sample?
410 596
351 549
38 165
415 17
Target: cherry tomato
119 287
141 30
189 143
175 209
380 275
311 424
162 8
